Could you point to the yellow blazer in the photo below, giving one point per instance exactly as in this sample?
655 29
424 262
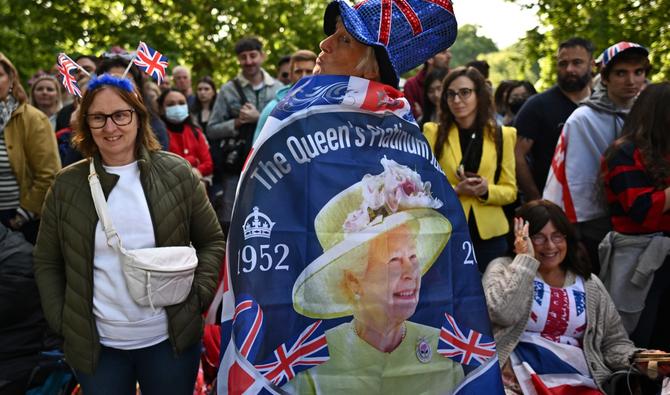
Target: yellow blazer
488 213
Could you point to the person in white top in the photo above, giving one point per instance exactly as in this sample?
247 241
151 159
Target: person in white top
154 200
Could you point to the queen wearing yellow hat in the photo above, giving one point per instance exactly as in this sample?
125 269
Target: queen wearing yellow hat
379 237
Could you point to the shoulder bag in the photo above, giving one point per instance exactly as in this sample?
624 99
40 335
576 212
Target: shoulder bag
155 277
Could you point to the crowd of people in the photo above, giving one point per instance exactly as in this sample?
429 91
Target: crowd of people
566 194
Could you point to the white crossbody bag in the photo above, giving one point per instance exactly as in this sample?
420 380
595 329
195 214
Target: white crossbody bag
156 277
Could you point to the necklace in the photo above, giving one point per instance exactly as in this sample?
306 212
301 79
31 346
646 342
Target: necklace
402 336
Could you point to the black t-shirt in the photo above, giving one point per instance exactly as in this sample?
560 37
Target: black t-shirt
541 119
471 149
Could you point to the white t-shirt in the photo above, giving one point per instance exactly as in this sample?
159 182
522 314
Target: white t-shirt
121 322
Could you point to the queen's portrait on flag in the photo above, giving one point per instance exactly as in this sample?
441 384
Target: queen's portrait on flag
379 237
350 269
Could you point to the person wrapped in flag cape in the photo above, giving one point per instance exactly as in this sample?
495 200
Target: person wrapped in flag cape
349 263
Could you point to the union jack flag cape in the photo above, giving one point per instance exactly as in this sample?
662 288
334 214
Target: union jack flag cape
151 61
324 136
65 65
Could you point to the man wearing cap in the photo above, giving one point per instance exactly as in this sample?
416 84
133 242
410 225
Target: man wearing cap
362 43
574 179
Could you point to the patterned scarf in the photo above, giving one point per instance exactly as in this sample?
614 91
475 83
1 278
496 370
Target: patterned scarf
7 107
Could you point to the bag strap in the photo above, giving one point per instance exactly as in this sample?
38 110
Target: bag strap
101 208
499 149
240 92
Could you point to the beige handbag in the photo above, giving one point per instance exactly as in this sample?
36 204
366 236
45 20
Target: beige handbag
155 277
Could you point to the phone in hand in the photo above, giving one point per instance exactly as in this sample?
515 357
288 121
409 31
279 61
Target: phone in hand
469 174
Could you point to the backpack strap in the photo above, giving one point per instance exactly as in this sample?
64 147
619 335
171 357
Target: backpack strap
240 92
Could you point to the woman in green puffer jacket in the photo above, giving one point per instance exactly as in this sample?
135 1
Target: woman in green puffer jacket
154 200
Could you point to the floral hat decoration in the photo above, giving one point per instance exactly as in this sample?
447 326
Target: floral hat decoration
352 219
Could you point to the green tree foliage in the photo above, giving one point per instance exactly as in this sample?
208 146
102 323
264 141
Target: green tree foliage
511 64
469 45
198 33
604 22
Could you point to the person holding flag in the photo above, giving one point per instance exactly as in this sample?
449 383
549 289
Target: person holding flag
349 264
112 340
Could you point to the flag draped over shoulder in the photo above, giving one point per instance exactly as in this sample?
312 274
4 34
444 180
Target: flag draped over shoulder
339 166
557 189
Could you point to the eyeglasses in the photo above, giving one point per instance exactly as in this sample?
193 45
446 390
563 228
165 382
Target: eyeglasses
462 93
540 239
120 118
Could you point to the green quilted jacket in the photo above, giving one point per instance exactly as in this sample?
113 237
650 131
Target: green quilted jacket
64 251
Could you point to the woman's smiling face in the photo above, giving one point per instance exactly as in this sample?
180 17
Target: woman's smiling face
388 292
550 247
116 143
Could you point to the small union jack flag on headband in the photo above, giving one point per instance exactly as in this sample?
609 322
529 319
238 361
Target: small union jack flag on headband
309 349
151 61
65 65
248 327
465 346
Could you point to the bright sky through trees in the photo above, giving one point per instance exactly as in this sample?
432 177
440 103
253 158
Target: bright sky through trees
500 20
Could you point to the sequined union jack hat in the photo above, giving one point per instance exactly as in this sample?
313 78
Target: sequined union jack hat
404 33
618 48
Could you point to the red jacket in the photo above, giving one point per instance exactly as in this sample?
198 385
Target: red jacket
413 91
194 149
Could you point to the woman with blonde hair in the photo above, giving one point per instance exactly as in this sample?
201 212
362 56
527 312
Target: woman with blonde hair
45 94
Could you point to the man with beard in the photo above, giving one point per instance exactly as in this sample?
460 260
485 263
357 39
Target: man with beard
575 169
541 118
233 121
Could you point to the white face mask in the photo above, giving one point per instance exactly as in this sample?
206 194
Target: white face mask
177 113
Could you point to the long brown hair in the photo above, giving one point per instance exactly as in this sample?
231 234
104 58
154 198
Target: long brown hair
647 126
83 139
540 212
484 121
16 89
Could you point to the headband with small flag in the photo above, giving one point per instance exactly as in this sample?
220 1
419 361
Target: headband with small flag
150 61
65 65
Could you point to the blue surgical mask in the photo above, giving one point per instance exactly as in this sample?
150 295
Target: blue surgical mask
177 113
